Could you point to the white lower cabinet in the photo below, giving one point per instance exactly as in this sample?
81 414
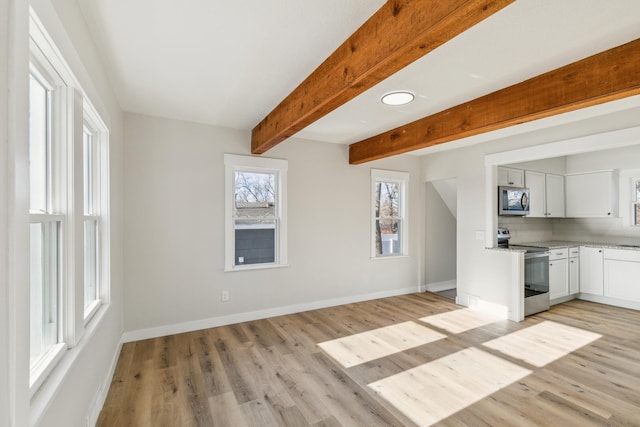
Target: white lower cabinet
558 278
621 274
574 275
591 271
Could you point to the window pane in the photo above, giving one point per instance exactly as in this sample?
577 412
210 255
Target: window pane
87 142
255 195
90 261
637 214
38 145
388 237
638 190
255 241
44 240
387 200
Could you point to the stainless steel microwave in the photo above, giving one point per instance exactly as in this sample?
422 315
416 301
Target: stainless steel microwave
513 200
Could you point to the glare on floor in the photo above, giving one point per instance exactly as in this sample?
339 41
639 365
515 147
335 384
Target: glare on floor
366 346
458 321
435 390
542 343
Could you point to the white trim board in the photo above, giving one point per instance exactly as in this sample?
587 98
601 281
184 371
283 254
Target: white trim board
212 322
597 142
441 286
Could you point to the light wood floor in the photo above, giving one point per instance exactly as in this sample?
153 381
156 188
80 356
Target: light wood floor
403 361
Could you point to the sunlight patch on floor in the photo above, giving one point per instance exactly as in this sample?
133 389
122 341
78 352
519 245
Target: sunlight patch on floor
462 320
433 391
543 343
366 346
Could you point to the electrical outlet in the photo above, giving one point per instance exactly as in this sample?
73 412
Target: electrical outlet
224 297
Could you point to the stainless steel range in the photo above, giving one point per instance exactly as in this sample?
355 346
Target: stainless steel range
536 274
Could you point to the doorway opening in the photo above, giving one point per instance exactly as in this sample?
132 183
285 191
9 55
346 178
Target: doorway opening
441 198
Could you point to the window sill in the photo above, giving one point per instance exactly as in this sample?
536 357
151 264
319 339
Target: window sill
45 366
255 267
42 394
390 256
90 310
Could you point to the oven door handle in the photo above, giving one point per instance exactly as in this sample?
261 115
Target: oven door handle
536 255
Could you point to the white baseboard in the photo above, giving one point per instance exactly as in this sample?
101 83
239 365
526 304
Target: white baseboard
101 395
634 305
440 286
213 322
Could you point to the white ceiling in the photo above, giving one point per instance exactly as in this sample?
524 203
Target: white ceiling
229 63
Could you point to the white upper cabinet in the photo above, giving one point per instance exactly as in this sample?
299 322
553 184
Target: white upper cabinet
510 176
535 182
546 194
592 195
554 195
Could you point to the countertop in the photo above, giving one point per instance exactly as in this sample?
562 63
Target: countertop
556 244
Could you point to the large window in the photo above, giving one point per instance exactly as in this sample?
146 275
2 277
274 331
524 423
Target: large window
46 228
635 205
255 212
389 207
68 199
93 192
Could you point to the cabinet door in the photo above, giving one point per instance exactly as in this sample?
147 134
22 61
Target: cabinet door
510 176
621 279
554 186
535 182
591 195
591 271
574 275
558 278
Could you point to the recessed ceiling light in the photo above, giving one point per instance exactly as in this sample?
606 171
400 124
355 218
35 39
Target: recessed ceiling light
397 98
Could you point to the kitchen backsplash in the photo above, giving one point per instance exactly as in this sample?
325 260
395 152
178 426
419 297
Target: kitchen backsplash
527 229
596 230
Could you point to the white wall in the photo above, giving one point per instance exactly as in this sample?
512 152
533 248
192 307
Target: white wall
174 235
476 267
557 165
4 248
440 240
68 397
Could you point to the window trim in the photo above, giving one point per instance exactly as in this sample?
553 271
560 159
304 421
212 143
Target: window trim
233 163
635 200
402 179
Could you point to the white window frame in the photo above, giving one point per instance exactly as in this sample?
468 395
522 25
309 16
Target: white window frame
56 209
235 163
402 179
634 200
98 206
71 110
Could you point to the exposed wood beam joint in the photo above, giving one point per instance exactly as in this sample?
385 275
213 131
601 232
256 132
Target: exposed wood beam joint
604 77
400 32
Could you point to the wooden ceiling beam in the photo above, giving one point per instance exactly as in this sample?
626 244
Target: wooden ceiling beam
604 77
400 32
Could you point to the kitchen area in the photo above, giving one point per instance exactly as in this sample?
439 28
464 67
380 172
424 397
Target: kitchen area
576 219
